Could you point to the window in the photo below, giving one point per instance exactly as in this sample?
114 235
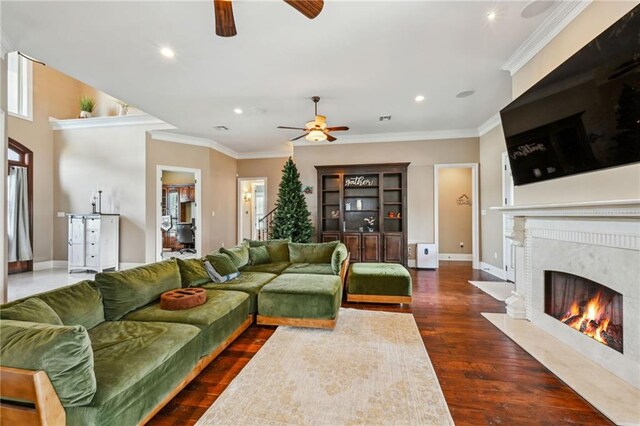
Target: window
19 90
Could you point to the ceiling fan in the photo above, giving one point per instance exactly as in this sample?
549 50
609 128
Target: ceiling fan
226 26
316 130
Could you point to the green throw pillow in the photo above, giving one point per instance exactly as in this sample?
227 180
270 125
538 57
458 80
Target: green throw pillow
339 255
238 254
64 352
259 255
32 310
192 272
278 249
312 253
222 263
125 291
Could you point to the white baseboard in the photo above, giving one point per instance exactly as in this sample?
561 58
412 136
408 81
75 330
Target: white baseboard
62 264
455 257
496 272
411 263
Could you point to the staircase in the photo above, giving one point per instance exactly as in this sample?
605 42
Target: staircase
264 226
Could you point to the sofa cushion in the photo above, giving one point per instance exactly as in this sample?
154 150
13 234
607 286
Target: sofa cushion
259 256
312 252
64 352
238 254
301 296
338 256
271 268
247 282
136 365
32 310
278 249
193 272
309 268
217 318
125 291
77 304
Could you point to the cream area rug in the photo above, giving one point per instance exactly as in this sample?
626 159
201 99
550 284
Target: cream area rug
499 290
372 369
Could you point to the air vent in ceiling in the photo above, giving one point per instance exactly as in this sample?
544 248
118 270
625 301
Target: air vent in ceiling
385 118
221 128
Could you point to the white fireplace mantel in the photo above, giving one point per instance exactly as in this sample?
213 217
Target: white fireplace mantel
615 208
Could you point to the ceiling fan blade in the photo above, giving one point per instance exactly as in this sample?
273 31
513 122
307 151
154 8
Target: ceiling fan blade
292 128
309 8
225 25
301 136
330 138
337 129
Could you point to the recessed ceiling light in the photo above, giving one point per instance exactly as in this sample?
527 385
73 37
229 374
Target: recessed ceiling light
492 15
465 94
419 98
237 110
166 52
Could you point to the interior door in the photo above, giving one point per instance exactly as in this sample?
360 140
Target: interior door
19 155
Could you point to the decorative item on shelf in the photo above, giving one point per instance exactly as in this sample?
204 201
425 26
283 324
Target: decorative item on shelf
370 221
398 215
308 190
358 181
347 206
99 209
335 214
123 108
358 204
361 229
87 106
392 214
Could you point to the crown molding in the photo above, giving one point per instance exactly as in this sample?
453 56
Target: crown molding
193 140
397 137
6 45
557 20
493 122
111 121
264 154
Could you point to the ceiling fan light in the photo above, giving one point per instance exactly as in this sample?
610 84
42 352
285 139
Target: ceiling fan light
316 136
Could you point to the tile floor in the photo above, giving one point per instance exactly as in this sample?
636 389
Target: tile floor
28 283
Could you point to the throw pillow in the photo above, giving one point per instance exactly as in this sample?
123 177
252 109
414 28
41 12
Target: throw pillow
192 272
238 254
221 263
278 249
218 277
259 255
32 310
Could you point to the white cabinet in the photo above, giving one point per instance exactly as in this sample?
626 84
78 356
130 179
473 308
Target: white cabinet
93 242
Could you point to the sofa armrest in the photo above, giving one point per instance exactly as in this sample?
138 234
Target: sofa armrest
344 269
34 387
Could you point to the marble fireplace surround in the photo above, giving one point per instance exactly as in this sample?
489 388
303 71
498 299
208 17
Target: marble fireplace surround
599 241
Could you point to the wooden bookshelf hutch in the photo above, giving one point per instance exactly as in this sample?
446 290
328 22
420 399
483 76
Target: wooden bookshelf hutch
349 194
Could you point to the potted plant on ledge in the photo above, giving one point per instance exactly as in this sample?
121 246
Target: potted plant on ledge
87 105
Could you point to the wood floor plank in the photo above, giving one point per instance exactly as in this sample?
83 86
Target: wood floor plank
486 378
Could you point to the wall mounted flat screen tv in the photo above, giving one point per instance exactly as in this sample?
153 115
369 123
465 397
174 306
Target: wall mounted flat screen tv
584 115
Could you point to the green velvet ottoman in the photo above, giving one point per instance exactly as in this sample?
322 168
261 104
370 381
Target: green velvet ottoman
300 300
379 283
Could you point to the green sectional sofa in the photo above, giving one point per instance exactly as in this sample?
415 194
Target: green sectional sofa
103 352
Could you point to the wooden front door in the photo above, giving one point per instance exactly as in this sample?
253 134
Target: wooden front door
20 156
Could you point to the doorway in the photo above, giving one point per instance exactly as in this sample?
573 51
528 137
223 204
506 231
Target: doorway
19 208
252 206
508 191
456 212
178 213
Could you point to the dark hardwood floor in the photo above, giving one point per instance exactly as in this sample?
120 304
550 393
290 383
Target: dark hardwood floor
485 377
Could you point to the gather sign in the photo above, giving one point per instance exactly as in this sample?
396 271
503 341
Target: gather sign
359 181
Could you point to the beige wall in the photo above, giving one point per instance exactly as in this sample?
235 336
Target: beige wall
114 159
422 155
454 220
218 174
612 184
271 168
492 145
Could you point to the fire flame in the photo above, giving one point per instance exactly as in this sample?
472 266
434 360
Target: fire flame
591 321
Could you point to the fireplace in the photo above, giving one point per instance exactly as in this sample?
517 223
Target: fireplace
591 308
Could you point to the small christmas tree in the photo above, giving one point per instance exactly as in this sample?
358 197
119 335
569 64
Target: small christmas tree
291 219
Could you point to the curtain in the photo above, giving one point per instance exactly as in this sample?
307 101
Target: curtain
18 215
